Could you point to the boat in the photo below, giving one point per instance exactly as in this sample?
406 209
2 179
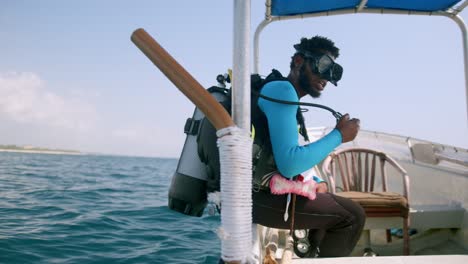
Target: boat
438 209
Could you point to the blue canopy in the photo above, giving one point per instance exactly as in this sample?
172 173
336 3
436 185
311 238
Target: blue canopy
295 7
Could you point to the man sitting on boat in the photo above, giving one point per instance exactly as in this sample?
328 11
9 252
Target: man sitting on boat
334 223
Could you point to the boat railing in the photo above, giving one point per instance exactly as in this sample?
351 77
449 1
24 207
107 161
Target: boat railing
408 149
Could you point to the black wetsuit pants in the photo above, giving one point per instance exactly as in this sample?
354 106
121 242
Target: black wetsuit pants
335 223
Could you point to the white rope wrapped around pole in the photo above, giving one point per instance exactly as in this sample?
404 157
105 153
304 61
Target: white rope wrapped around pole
235 145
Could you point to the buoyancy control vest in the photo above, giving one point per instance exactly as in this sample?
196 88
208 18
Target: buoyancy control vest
198 171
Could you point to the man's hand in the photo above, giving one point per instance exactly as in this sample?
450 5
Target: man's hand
322 187
348 128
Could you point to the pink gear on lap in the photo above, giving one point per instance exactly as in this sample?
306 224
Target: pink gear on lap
281 185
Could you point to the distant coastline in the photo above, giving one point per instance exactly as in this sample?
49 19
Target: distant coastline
31 149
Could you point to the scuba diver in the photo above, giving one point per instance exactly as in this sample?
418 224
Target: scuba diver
325 225
331 224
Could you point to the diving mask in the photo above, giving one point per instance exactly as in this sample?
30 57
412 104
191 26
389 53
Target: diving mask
325 66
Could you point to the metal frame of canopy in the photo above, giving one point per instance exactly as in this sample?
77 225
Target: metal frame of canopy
452 13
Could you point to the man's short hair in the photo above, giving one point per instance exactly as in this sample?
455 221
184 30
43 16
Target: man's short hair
317 44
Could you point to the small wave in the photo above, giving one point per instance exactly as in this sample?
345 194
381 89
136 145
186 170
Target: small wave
95 209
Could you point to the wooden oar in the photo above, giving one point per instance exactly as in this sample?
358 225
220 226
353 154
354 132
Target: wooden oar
190 87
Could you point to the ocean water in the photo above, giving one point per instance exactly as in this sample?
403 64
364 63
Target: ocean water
96 209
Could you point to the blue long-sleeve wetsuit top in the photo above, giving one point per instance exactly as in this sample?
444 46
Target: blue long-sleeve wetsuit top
291 158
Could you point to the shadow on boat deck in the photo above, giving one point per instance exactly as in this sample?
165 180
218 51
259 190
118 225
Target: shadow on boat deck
425 242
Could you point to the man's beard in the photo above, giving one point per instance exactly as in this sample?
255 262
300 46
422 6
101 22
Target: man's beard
305 85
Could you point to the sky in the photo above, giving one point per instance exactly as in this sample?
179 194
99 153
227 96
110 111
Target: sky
70 78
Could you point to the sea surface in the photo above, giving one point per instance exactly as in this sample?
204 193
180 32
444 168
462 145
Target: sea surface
96 209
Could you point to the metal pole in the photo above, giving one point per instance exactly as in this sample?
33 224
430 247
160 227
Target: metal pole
460 7
462 26
241 67
362 5
256 50
238 195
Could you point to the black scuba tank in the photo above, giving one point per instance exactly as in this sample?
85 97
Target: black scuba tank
188 190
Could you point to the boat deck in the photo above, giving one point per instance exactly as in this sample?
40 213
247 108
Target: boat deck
425 242
427 246
444 259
